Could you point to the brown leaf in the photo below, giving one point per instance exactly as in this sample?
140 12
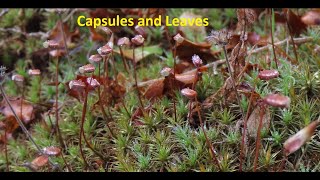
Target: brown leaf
311 17
300 138
254 120
95 36
155 90
57 36
187 49
187 78
139 53
296 26
246 16
40 161
26 115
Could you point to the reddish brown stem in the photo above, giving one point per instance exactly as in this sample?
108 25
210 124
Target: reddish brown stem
65 162
291 37
272 41
258 139
210 146
125 65
21 100
282 163
84 110
40 88
105 117
245 131
173 50
6 149
84 136
135 79
62 144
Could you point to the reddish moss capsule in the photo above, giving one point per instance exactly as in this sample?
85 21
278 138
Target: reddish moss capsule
165 71
300 138
51 44
17 78
140 30
52 151
268 74
189 93
104 50
137 40
277 100
124 41
34 72
89 68
93 82
197 61
76 85
96 58
178 38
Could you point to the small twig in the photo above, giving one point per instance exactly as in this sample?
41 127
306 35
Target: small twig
40 34
272 40
64 38
233 80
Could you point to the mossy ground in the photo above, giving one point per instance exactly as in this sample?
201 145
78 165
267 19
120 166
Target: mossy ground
163 143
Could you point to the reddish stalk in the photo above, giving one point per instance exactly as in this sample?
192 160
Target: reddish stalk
233 79
210 146
173 50
62 144
56 106
65 162
125 65
135 78
84 110
84 136
64 37
114 67
282 163
272 41
291 38
105 117
22 97
6 149
40 88
245 131
258 141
